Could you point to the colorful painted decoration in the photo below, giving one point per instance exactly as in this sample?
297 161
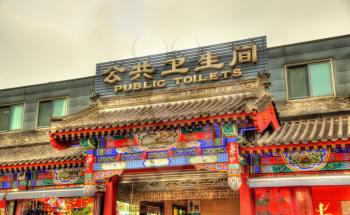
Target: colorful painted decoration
203 159
66 176
113 166
214 150
70 205
187 144
173 161
229 130
215 167
27 180
89 143
106 159
195 128
233 153
130 149
121 140
234 181
185 152
307 160
100 175
131 156
156 140
234 178
195 136
89 168
157 155
156 162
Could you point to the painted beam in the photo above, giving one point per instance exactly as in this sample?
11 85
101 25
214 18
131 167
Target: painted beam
69 192
162 162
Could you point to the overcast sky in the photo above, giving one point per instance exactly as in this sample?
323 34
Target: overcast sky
43 41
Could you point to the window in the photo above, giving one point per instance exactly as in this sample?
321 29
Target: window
310 80
49 109
11 117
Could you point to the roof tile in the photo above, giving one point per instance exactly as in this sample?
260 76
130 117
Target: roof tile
330 128
103 116
37 153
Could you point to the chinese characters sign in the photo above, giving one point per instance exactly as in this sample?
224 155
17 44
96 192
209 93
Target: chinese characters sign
180 69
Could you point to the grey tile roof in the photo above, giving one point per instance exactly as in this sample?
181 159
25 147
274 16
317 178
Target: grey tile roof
37 153
331 128
9 139
99 116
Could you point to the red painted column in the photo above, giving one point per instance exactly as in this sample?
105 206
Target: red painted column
245 198
110 200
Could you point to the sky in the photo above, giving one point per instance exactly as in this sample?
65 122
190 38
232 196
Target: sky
52 40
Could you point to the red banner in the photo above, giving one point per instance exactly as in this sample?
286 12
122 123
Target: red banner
232 150
283 201
2 204
89 164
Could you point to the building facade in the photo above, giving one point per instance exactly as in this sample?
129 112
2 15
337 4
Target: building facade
232 128
28 161
306 158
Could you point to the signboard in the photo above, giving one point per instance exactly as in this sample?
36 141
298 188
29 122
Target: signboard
221 63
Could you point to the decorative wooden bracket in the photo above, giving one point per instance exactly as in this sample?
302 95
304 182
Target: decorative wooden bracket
263 119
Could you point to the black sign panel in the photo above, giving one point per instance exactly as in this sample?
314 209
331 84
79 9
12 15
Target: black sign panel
220 63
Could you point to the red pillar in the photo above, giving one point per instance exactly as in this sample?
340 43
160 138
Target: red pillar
245 198
110 200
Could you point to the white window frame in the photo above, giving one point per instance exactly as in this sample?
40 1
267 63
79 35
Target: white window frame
45 100
24 109
306 63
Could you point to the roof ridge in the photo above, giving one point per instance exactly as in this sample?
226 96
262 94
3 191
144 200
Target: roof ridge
317 117
177 102
165 111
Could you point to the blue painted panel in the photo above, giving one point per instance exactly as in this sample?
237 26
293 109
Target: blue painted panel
177 161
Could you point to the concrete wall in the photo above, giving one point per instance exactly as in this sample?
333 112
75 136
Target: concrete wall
337 48
77 90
